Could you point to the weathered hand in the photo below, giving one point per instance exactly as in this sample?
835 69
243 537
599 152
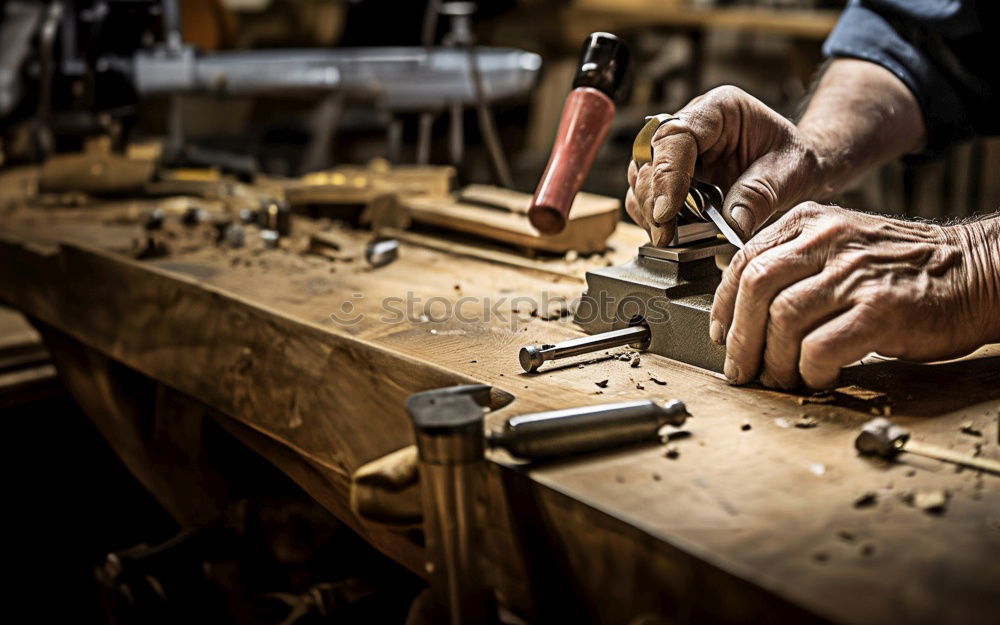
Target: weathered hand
823 287
759 159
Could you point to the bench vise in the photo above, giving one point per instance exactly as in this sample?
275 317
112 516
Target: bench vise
661 300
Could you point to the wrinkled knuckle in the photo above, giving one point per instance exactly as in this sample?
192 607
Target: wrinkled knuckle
724 94
807 210
781 314
756 276
762 191
673 138
813 351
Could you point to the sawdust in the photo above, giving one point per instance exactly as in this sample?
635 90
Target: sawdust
806 422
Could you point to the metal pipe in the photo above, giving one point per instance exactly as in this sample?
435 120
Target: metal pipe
532 356
448 424
585 429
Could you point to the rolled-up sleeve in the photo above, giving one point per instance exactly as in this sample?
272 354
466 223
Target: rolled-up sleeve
864 33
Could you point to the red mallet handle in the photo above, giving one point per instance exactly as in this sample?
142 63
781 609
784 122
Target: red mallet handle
584 125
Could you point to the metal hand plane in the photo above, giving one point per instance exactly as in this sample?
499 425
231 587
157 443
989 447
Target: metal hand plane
668 290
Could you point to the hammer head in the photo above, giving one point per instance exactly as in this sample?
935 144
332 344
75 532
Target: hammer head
880 437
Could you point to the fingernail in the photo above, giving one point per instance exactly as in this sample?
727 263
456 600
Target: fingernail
743 218
717 332
731 370
660 209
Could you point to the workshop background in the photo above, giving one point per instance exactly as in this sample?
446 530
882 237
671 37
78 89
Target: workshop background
88 542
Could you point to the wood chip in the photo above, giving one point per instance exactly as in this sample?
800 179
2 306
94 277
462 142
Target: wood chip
805 422
930 501
820 398
970 428
635 361
867 500
602 383
640 387
656 380
672 452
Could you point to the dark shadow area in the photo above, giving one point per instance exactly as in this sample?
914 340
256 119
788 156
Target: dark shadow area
927 390
71 502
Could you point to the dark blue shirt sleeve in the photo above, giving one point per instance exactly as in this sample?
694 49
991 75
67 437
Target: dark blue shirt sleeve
925 43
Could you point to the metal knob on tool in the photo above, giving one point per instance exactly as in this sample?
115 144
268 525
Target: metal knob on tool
533 356
881 437
590 428
586 119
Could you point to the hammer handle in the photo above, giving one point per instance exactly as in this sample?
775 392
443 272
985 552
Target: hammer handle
949 455
586 119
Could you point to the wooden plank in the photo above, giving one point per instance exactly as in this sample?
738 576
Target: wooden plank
743 525
502 215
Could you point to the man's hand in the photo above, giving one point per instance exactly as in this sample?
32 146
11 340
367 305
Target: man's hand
759 159
860 115
823 287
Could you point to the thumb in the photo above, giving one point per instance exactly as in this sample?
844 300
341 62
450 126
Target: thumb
770 184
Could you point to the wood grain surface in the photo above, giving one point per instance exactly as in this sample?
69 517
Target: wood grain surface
754 520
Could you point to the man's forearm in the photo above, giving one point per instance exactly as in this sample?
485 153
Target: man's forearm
860 116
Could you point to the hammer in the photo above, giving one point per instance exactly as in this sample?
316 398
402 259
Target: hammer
880 437
586 119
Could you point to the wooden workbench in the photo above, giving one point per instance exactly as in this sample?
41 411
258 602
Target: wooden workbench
755 520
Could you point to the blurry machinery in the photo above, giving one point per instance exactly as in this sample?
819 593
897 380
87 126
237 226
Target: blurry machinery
71 70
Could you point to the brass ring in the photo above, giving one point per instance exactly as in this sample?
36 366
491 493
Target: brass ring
642 147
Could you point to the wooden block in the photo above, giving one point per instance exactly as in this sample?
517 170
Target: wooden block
95 170
501 215
354 185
